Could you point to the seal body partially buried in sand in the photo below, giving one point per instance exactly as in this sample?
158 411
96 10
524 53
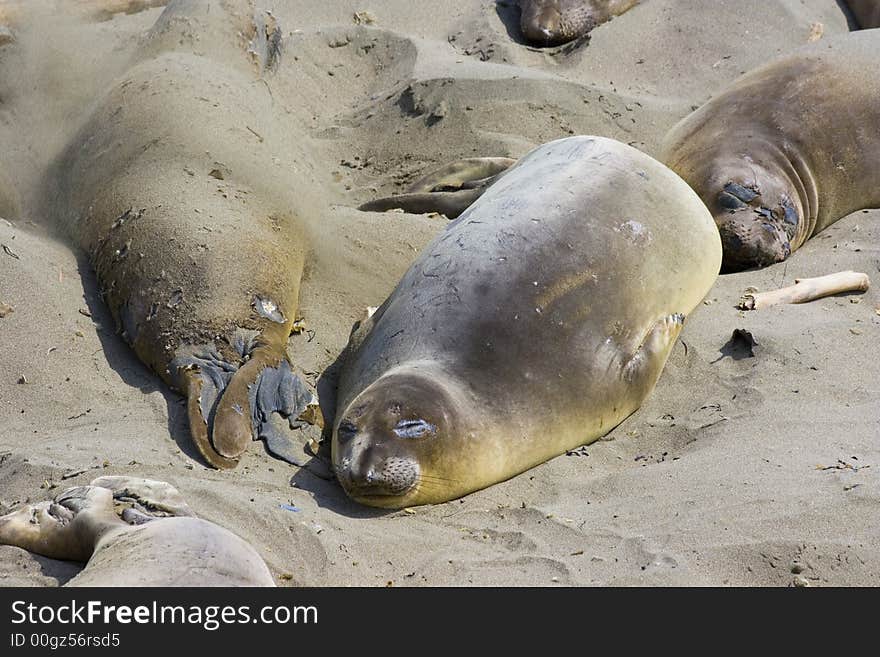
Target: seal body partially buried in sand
787 150
192 229
134 532
534 323
554 22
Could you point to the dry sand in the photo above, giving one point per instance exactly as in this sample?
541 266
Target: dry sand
737 471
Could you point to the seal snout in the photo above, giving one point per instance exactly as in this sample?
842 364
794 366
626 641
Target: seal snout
754 243
370 469
754 232
540 23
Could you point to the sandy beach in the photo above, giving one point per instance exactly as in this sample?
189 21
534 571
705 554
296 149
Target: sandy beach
741 469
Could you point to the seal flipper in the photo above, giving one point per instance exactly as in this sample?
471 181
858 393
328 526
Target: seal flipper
449 190
201 400
279 390
230 405
462 174
264 385
650 357
66 528
450 204
148 497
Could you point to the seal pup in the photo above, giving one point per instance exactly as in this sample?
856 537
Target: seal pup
134 532
866 12
787 150
535 322
192 231
554 22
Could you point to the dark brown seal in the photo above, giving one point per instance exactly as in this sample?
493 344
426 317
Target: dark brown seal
787 150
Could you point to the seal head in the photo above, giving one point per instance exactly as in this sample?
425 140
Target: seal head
395 442
543 22
554 22
759 213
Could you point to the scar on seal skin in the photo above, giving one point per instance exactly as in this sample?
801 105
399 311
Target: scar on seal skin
533 323
202 278
786 150
554 22
134 532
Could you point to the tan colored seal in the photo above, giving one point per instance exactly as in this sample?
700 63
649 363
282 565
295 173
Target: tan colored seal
534 323
554 22
787 150
134 532
191 228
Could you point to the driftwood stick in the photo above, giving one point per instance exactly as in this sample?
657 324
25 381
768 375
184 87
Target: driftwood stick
807 289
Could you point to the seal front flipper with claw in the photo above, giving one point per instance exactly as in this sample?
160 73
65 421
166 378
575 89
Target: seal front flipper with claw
646 364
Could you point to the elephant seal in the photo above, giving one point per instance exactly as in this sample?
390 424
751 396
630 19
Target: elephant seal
134 532
191 229
535 322
787 150
554 22
866 12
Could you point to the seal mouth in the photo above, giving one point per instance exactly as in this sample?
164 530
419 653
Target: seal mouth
370 492
756 244
753 234
392 477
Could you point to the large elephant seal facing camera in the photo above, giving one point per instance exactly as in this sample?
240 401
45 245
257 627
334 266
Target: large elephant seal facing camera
534 323
787 150
193 233
134 532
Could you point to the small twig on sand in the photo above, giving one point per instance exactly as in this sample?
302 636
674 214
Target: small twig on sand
807 289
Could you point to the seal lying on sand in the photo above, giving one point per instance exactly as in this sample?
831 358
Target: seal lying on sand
134 532
787 150
554 22
190 227
866 12
534 323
